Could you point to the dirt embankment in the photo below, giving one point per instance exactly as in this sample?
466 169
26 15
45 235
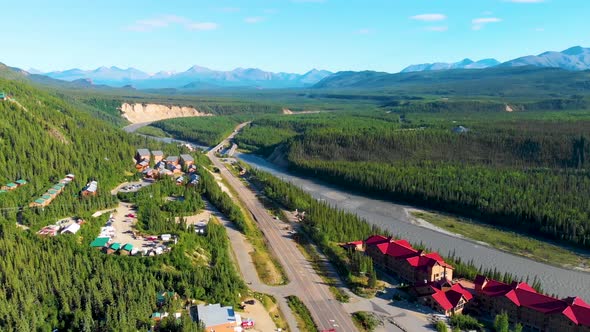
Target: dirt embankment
287 111
139 113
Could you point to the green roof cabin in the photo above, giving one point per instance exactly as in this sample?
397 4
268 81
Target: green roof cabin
100 242
11 186
3 96
21 182
126 250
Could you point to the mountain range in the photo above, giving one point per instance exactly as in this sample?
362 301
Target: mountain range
195 76
574 58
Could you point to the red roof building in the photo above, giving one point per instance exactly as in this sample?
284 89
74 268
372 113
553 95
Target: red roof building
533 310
400 258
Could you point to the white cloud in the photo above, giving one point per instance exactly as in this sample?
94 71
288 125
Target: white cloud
254 19
525 1
539 29
441 28
229 9
165 21
363 31
479 23
202 26
429 17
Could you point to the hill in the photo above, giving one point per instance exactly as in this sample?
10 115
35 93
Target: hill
60 283
497 81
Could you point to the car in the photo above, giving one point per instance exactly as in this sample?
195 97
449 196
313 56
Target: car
130 215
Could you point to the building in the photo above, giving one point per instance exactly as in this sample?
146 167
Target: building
142 154
113 248
20 182
10 186
126 250
193 179
216 318
535 311
411 265
100 242
90 189
158 156
142 165
3 96
172 160
443 296
186 160
71 229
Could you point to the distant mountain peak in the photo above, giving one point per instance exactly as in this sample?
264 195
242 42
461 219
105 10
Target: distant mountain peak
576 50
463 64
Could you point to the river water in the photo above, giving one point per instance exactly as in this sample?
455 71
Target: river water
393 217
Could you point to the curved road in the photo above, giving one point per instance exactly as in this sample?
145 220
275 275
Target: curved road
393 217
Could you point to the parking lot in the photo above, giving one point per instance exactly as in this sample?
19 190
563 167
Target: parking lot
123 221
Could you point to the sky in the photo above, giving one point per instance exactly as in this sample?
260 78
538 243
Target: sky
283 35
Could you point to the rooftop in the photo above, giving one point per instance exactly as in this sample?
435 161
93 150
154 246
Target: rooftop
215 314
100 242
143 152
158 153
187 157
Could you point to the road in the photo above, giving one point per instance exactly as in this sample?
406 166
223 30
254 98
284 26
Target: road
304 281
394 217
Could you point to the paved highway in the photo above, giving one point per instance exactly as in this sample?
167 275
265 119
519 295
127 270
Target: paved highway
304 281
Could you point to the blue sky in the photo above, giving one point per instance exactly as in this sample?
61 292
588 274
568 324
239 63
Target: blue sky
283 35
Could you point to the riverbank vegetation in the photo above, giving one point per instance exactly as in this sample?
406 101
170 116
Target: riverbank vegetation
508 241
505 169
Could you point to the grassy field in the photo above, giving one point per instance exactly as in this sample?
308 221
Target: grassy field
304 321
509 241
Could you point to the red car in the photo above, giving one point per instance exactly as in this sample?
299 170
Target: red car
152 238
130 215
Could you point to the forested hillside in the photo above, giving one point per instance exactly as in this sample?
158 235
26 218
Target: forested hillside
527 175
60 283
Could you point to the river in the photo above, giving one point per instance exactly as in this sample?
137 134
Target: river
393 217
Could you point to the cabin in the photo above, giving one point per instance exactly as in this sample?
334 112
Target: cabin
90 189
10 186
142 165
3 96
142 154
114 248
20 182
186 160
126 250
158 156
172 160
100 242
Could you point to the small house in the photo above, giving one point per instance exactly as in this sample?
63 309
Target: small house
126 250
100 242
11 186
172 160
165 237
158 156
70 176
142 154
20 182
114 248
3 96
39 202
90 189
186 160
71 229
216 318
